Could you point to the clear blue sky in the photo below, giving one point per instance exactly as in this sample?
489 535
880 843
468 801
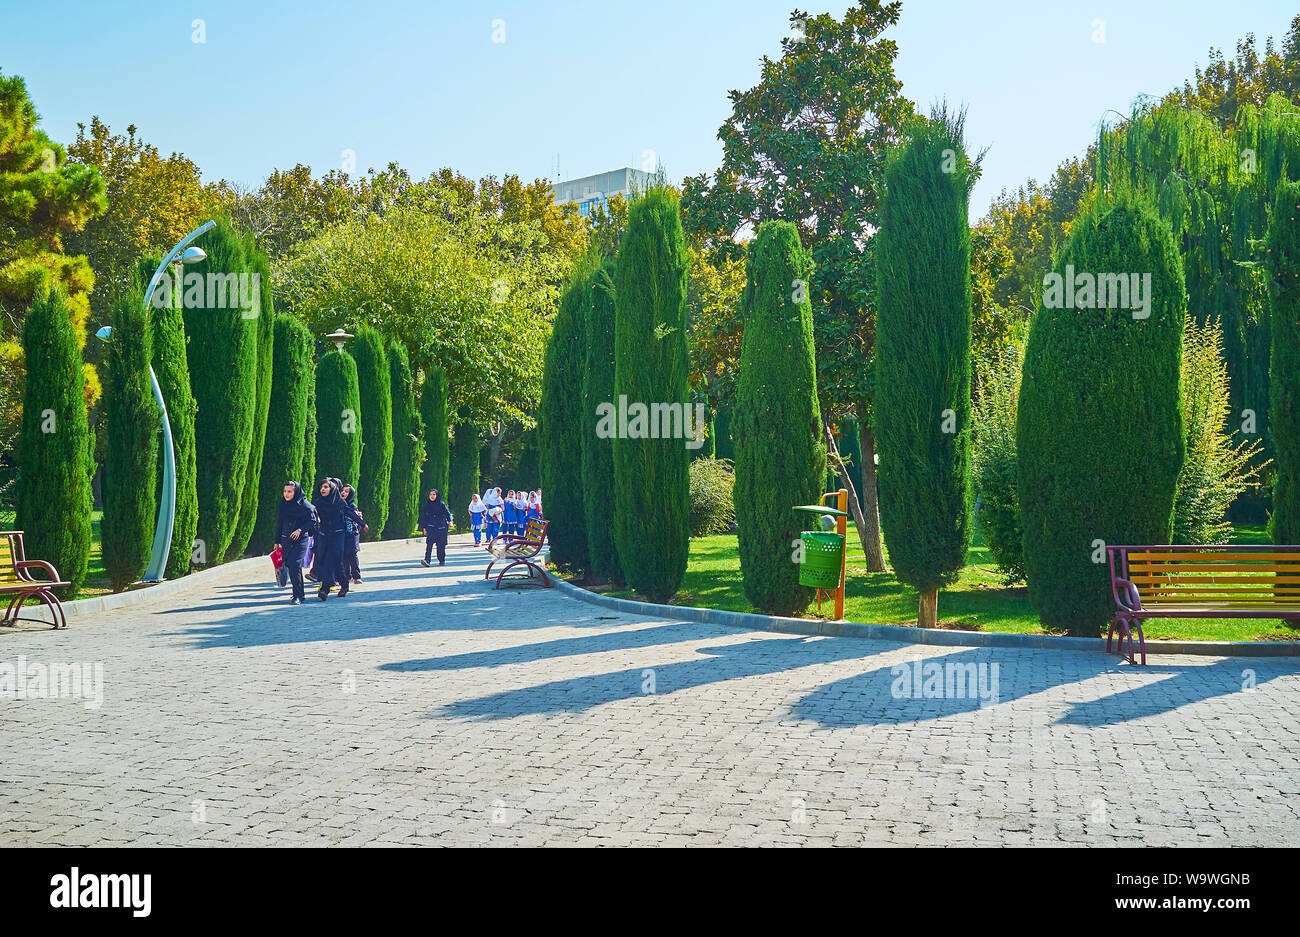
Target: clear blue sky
597 83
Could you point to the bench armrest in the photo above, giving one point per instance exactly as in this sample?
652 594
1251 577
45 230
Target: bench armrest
35 564
1126 595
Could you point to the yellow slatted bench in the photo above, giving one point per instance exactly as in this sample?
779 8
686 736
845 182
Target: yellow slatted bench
1221 581
520 551
18 584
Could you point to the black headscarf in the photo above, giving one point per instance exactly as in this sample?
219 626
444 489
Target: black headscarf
434 513
295 514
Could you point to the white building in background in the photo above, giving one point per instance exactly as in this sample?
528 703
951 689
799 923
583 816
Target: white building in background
589 192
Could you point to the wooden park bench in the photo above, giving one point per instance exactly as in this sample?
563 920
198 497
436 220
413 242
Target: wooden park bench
1223 581
520 551
18 584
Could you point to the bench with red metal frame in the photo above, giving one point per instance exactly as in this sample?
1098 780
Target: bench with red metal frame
520 551
17 581
1220 581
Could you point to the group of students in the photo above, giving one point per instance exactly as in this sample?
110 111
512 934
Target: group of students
325 532
498 515
332 525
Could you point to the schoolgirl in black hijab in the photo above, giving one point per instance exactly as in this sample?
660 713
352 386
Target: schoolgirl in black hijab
351 538
295 522
332 509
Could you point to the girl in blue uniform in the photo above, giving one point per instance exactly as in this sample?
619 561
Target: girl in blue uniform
477 513
511 511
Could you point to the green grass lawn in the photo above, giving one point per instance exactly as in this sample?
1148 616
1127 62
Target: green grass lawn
979 601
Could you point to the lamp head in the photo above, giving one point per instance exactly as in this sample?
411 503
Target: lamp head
339 337
192 255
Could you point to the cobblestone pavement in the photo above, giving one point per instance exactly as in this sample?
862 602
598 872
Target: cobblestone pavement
426 708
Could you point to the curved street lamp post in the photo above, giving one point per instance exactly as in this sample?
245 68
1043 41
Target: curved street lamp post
162 537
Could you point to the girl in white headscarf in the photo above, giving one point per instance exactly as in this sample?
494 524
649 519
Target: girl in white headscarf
477 513
492 501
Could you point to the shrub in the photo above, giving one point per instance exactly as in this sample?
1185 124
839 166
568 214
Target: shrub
598 453
651 478
408 447
173 373
923 370
54 456
265 327
993 456
222 356
286 427
1284 271
561 419
713 504
1215 471
376 430
1099 432
338 415
780 459
133 423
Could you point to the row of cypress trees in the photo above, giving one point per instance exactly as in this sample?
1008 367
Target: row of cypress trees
618 507
244 408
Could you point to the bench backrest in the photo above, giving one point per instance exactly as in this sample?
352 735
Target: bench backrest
536 530
11 553
1231 574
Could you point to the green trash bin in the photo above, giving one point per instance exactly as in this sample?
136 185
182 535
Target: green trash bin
822 555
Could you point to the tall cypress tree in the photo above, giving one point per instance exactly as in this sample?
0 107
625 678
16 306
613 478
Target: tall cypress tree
55 446
261 315
286 425
338 418
408 447
173 373
923 370
464 470
376 429
223 364
560 421
1099 429
651 476
780 459
598 451
309 475
132 422
437 441
1284 270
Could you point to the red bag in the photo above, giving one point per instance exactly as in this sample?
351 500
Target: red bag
277 561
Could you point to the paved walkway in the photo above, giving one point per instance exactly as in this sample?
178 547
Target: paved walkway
426 708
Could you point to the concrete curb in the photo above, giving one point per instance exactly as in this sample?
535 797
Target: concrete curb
909 635
106 603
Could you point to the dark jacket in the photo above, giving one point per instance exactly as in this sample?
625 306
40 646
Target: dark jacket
331 509
350 527
434 515
293 515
